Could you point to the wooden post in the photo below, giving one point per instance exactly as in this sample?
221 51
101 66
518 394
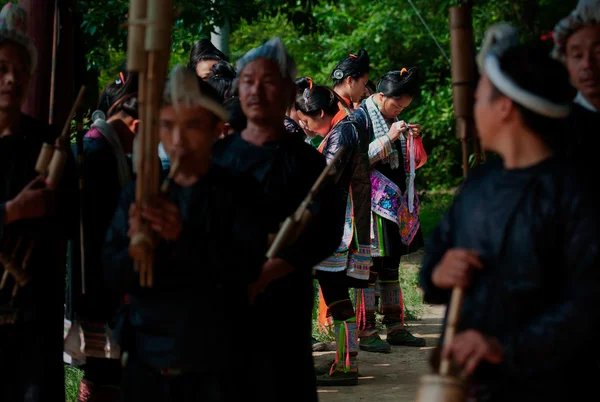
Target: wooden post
463 76
40 29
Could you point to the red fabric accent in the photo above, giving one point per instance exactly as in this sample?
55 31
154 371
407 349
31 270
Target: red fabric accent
341 115
420 153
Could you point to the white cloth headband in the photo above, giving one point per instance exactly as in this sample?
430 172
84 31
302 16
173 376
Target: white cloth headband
531 101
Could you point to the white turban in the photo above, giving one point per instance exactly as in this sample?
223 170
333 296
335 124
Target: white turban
273 50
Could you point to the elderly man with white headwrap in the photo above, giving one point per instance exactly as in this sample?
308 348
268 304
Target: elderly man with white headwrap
577 44
286 167
31 343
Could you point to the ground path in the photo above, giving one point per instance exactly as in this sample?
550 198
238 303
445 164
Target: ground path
389 377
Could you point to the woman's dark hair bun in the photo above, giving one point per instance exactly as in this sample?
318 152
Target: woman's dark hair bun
303 83
397 83
354 66
224 70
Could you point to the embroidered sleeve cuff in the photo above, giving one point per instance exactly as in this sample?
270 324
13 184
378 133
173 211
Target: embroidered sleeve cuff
379 149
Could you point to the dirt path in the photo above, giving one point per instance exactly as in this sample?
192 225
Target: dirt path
389 377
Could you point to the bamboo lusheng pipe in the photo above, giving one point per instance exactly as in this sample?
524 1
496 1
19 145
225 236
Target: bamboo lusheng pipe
155 28
11 267
52 167
294 224
451 325
463 76
24 267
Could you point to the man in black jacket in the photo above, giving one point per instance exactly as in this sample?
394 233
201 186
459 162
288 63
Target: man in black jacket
286 168
522 240
34 216
212 245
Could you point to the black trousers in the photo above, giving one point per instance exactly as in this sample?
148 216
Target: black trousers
142 383
31 367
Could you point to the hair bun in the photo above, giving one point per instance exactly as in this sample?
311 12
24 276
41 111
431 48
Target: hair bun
304 83
223 70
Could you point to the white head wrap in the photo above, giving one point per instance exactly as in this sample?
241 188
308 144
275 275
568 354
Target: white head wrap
587 12
498 39
499 36
273 50
13 27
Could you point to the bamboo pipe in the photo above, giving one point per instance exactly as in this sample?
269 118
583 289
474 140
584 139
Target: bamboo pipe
157 47
23 267
451 325
59 157
54 169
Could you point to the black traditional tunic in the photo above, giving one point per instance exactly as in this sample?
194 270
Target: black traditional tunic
31 367
191 323
102 192
539 291
287 169
579 142
352 174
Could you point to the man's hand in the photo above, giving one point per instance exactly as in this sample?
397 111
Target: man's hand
456 269
36 200
471 347
272 270
163 217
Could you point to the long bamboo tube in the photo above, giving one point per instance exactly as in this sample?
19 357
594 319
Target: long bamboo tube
151 62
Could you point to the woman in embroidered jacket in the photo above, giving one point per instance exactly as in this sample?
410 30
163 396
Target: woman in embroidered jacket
395 205
318 108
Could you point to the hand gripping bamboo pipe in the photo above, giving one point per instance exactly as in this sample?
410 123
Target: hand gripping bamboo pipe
50 164
444 387
150 23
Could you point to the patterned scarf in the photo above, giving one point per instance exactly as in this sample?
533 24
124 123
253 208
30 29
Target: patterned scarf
380 129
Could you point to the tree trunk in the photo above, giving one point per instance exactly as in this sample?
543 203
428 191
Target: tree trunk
220 38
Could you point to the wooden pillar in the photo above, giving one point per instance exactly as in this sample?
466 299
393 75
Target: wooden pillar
41 24
463 77
66 92
41 30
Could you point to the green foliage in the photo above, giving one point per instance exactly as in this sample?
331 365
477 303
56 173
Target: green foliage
72 379
319 33
394 36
